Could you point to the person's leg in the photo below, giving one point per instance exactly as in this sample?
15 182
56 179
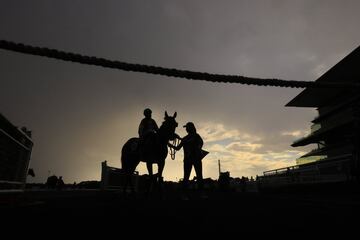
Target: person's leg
199 176
187 171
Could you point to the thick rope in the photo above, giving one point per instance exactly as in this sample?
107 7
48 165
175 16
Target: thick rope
73 57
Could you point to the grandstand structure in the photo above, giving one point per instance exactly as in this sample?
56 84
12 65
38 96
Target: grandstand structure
335 131
15 153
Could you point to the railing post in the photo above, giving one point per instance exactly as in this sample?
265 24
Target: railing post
104 175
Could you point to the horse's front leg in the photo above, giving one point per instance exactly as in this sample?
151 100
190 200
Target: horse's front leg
149 168
151 176
160 171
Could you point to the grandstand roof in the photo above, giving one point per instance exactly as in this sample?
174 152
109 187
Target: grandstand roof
347 71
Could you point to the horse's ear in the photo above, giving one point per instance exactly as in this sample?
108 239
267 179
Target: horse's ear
175 114
166 115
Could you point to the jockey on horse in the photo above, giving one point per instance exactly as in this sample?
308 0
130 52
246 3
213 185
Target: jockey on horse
151 147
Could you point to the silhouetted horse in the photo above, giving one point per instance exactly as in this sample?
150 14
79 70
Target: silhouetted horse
152 149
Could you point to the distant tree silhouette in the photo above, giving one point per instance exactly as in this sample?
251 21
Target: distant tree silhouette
60 183
52 182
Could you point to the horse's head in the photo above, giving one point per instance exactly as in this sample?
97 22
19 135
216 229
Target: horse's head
169 125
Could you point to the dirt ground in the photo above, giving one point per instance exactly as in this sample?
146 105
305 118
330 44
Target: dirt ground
216 212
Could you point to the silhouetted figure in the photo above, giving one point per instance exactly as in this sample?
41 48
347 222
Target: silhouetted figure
51 182
60 183
153 150
147 124
192 144
31 172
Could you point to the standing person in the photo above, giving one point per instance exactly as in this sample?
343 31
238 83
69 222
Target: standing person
193 154
147 124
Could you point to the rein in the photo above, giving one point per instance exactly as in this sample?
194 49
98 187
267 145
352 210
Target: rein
174 142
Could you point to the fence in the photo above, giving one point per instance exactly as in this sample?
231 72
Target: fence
336 169
115 178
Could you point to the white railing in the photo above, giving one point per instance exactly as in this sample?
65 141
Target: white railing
115 178
336 169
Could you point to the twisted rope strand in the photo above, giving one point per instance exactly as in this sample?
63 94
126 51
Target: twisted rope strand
191 75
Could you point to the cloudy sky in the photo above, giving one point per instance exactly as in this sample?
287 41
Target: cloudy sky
82 115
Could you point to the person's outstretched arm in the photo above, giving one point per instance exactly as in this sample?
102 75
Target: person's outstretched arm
178 147
177 136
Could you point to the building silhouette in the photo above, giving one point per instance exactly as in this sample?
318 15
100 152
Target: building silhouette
15 152
335 130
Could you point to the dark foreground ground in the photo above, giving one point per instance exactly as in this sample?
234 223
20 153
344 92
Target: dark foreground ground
168 215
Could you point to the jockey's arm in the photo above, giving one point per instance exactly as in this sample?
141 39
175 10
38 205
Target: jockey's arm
141 128
155 126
